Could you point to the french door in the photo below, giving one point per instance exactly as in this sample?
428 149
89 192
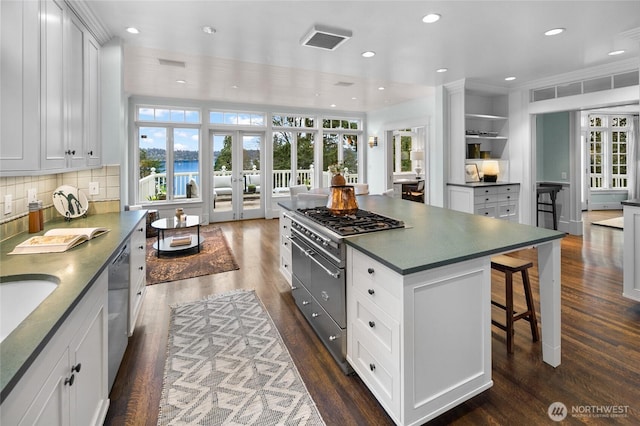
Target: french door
238 183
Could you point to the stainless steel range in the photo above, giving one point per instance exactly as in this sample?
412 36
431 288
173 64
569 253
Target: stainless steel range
319 261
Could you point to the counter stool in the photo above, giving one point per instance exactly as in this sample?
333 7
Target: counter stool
510 265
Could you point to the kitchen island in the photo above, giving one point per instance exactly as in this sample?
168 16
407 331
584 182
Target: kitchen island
418 303
78 270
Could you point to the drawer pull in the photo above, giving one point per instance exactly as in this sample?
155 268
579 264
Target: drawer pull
305 303
371 270
372 367
141 247
76 368
372 324
332 338
293 287
69 380
315 315
140 229
371 291
141 267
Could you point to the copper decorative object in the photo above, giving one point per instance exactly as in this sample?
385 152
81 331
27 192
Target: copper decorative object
342 200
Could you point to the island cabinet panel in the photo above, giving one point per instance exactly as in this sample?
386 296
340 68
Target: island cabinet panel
420 342
285 246
67 384
631 274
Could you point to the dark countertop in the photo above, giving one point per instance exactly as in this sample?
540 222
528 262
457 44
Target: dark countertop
434 236
634 202
482 184
77 270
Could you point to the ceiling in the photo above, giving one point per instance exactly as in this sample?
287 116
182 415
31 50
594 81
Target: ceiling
255 55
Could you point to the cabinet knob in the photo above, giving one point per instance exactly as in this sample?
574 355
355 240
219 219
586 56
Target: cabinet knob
293 287
372 367
90 153
139 293
69 380
76 368
141 247
371 270
305 303
141 267
371 291
315 315
372 324
332 338
140 229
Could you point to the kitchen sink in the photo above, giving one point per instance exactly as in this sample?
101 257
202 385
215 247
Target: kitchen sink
19 296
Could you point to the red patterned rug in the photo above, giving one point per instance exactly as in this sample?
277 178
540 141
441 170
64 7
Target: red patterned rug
215 256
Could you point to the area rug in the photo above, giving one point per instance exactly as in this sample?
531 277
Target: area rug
227 365
215 256
616 222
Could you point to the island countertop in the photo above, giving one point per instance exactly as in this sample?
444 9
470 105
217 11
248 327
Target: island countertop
435 236
76 269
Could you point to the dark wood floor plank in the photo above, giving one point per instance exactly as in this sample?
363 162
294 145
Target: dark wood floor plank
600 340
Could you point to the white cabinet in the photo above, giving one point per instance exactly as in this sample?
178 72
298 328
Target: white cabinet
138 274
285 246
67 383
631 274
19 88
50 89
496 201
420 342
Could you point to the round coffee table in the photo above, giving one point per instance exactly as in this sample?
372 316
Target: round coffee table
178 241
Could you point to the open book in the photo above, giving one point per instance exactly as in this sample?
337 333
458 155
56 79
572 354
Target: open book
57 240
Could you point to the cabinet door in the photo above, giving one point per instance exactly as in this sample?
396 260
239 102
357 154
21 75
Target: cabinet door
92 101
19 71
52 83
74 80
51 406
89 365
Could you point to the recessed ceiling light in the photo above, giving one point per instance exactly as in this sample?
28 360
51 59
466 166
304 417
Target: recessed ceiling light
235 86
380 88
554 31
208 30
181 81
353 98
368 54
442 70
332 105
431 18
133 30
616 52
509 78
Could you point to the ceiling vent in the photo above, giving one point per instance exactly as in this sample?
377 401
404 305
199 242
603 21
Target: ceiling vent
326 38
170 63
344 84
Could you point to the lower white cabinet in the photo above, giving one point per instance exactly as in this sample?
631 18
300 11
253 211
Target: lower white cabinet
420 342
67 383
285 247
631 274
496 201
138 273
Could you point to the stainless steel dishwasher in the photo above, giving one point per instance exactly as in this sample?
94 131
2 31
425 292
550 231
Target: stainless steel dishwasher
118 310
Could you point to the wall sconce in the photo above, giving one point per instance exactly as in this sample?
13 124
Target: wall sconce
491 171
373 141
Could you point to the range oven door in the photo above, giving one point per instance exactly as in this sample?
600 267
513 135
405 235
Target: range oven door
322 279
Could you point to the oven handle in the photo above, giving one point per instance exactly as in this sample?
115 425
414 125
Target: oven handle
310 253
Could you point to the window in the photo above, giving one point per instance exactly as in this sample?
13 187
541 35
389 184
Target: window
168 115
299 121
168 159
234 118
608 151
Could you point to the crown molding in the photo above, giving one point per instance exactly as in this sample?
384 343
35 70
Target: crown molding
88 17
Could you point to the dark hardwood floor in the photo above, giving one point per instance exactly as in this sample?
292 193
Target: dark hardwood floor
600 341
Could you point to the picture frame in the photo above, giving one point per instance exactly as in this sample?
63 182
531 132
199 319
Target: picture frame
471 173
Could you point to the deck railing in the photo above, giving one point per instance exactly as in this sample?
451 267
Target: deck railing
149 187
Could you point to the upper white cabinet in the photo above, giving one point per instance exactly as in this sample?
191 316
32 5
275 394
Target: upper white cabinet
19 88
59 91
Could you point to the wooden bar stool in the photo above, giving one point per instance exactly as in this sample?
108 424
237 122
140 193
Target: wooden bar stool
510 265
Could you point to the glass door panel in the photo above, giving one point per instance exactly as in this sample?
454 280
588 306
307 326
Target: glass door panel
350 157
251 177
330 155
186 160
281 176
304 159
152 164
222 176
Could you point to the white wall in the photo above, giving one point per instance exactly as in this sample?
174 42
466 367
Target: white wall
414 113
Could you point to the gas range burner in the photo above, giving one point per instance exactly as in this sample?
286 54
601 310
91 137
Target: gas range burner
360 222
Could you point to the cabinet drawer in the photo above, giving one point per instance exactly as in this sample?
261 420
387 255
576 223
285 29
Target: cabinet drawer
492 190
507 211
380 332
509 189
384 384
507 196
377 283
485 199
486 211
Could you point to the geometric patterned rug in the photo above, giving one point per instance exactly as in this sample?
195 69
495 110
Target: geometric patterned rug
227 365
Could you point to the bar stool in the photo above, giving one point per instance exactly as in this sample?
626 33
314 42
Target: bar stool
510 265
